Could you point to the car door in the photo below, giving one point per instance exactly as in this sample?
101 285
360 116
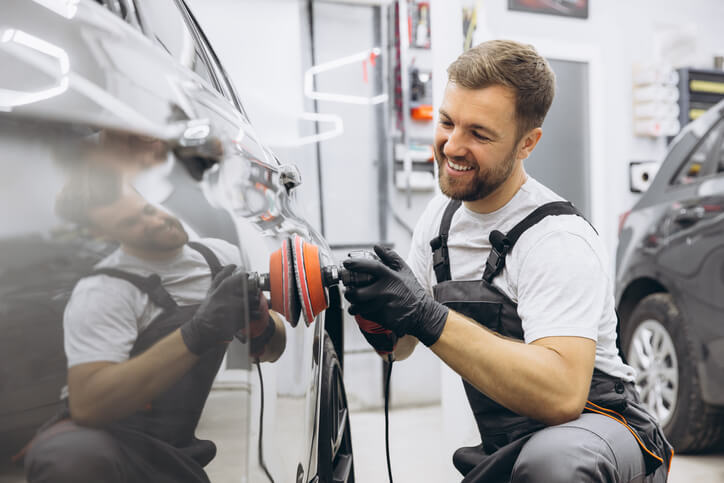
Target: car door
170 115
692 244
247 183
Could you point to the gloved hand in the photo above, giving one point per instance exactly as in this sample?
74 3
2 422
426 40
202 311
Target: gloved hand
382 340
220 315
261 326
395 299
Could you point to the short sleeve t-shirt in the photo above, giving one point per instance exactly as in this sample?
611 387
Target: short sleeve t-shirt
557 272
105 314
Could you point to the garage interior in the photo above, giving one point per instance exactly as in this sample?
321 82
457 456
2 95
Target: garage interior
362 186
349 90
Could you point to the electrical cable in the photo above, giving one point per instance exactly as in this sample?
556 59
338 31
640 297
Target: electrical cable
390 360
261 425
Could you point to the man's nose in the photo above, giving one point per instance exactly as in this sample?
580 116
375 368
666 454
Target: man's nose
455 146
156 220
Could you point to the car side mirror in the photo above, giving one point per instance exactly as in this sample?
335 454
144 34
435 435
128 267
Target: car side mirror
197 147
289 176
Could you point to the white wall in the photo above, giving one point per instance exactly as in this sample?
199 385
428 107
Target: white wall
623 32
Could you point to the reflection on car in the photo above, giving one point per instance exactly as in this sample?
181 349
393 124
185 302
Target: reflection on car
135 200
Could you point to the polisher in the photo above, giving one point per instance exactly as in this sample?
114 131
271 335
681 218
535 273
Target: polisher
297 280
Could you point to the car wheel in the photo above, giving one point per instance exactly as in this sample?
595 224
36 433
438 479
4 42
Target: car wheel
658 346
335 463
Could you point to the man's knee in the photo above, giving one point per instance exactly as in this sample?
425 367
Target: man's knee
558 455
592 448
70 453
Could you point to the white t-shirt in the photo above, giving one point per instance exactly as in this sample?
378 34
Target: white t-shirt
557 272
105 314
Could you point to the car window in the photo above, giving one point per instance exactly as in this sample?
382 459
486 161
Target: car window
706 159
168 28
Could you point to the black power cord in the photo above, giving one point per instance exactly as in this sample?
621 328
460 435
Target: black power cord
261 425
390 360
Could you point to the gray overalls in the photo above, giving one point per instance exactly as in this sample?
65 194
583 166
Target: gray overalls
154 445
503 432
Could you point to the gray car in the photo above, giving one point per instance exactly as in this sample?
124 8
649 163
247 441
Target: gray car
669 286
134 88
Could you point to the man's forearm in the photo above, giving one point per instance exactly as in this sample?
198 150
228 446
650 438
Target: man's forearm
101 393
530 379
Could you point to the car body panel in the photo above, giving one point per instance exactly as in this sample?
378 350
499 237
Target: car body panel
673 241
82 73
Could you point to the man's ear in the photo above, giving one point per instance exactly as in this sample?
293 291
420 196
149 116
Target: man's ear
528 142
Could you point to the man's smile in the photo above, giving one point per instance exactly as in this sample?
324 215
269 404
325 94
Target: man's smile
458 167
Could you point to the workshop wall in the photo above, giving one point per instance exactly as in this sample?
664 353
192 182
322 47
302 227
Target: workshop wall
622 33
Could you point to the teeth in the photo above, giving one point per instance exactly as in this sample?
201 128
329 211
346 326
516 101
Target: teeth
458 167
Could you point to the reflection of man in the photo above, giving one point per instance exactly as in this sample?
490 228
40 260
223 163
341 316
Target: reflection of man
510 288
144 338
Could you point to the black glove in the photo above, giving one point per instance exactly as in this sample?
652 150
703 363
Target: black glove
395 299
220 315
261 326
381 339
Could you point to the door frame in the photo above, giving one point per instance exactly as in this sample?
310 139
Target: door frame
590 55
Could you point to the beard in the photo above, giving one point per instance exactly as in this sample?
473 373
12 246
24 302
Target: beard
167 237
479 184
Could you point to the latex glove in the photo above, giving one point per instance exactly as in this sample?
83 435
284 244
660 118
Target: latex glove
381 339
395 299
220 315
261 326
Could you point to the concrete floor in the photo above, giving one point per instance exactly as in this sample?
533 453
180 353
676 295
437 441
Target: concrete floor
416 451
415 445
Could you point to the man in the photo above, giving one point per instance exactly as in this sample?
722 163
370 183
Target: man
144 337
510 286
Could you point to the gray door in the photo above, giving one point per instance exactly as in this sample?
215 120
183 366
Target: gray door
561 160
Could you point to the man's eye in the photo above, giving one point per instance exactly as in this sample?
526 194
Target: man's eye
445 123
149 210
481 137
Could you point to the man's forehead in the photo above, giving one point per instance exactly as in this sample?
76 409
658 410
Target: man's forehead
491 107
496 97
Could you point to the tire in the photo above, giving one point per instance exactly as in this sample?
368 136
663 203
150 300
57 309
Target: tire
670 386
335 462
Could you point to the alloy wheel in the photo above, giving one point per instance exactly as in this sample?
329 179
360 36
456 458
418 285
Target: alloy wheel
653 355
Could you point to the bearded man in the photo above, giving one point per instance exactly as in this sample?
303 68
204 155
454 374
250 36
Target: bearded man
510 286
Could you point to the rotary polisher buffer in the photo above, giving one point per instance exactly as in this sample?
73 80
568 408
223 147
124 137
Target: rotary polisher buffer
297 280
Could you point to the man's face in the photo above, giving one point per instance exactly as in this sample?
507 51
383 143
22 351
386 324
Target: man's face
134 222
475 140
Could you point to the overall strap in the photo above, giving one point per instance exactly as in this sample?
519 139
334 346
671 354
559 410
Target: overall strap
502 244
150 285
440 256
211 259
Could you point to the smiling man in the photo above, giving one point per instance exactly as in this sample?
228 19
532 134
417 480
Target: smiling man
509 285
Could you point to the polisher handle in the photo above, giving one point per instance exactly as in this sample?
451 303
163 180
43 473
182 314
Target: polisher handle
382 340
353 279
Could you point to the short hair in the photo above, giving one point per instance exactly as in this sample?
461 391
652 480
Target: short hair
86 188
511 64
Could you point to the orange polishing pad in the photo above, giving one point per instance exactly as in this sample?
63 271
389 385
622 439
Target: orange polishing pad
284 298
308 271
